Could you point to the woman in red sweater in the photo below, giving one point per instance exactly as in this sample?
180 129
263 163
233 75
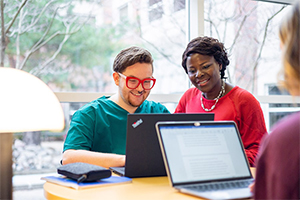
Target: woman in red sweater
205 61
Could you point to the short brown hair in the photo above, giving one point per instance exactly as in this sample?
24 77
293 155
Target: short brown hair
130 56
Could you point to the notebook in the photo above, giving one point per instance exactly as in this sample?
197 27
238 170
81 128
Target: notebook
143 155
205 159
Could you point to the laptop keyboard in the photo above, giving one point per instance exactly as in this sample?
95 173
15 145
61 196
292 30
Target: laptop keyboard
220 185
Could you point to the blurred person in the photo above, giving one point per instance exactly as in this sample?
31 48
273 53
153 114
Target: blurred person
97 133
278 161
204 61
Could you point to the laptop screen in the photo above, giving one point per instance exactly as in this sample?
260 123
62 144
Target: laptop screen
203 151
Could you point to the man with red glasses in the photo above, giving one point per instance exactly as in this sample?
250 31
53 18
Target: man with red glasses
97 133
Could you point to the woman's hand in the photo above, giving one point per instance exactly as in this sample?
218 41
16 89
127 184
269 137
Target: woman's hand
251 186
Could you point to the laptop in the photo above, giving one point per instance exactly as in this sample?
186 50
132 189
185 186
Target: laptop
143 155
205 159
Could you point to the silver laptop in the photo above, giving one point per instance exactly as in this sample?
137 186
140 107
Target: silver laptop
205 159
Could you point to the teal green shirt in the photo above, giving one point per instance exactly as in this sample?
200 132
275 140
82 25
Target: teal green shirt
100 126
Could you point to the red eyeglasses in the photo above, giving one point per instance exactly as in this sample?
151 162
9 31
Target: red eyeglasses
133 82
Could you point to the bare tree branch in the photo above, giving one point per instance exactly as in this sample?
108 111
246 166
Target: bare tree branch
18 40
38 70
263 44
209 19
15 16
67 34
225 30
154 45
214 26
3 43
38 17
159 51
10 9
175 22
240 27
38 44
45 64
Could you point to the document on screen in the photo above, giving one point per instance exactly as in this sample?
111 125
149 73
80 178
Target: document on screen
203 153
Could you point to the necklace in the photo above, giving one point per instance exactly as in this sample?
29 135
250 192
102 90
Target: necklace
222 91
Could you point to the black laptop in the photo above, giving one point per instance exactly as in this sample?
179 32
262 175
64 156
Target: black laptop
143 154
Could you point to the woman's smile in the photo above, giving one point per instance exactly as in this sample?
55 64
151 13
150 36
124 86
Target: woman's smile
203 82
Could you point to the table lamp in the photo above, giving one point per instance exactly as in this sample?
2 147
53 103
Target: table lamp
26 104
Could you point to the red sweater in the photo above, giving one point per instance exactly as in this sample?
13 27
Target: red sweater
238 105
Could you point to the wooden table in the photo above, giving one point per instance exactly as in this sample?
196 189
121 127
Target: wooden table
153 188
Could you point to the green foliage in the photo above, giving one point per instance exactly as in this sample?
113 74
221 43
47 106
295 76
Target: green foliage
88 46
93 46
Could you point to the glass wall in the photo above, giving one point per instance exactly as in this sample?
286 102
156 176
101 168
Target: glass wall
76 51
71 46
249 29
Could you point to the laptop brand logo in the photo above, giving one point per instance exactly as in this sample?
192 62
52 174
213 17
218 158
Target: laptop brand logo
137 123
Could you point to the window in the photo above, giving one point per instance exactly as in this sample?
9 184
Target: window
179 5
84 62
278 111
123 12
155 10
249 30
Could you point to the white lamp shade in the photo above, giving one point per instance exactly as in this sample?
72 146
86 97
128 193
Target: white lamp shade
27 103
